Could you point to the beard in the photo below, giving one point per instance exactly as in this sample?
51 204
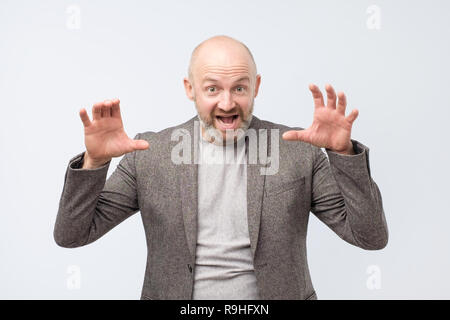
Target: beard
211 133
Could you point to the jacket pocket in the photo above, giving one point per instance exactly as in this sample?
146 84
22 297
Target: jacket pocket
277 188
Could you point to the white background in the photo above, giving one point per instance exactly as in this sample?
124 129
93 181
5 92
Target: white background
397 76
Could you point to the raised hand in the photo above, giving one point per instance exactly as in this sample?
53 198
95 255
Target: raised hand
330 129
105 136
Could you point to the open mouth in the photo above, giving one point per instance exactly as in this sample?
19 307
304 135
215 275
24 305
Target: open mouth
228 122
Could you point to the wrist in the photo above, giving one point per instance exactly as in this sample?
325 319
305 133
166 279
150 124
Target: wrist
349 151
89 163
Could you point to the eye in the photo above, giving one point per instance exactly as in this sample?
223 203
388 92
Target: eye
240 89
211 89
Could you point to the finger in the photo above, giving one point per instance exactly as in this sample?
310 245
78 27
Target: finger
85 118
342 103
296 135
140 145
353 115
115 110
106 109
97 111
331 97
317 95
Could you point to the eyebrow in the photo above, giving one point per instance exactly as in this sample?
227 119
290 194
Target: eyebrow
238 80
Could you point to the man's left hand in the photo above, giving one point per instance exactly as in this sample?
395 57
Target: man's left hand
330 129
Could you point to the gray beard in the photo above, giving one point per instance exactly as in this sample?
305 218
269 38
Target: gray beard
232 135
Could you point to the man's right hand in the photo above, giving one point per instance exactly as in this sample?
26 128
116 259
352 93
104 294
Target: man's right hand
105 136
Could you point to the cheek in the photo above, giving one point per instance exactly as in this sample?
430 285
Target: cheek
206 105
244 102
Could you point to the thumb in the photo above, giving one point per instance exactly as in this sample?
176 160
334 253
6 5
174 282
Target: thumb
140 144
296 135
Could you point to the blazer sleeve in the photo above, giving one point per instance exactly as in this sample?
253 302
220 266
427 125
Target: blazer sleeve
90 205
346 199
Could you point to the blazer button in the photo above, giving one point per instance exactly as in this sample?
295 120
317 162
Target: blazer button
190 268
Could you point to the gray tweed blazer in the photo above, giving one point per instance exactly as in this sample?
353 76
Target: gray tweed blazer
337 189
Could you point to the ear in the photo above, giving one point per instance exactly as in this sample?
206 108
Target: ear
257 83
188 87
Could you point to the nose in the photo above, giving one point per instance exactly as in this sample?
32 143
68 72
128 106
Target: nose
226 102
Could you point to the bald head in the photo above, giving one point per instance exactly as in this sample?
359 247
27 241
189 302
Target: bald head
222 50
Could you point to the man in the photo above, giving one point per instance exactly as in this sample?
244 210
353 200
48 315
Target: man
219 230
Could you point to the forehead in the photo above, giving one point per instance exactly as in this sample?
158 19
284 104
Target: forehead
222 62
218 73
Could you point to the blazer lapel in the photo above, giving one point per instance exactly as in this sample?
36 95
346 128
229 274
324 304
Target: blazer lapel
188 187
255 189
